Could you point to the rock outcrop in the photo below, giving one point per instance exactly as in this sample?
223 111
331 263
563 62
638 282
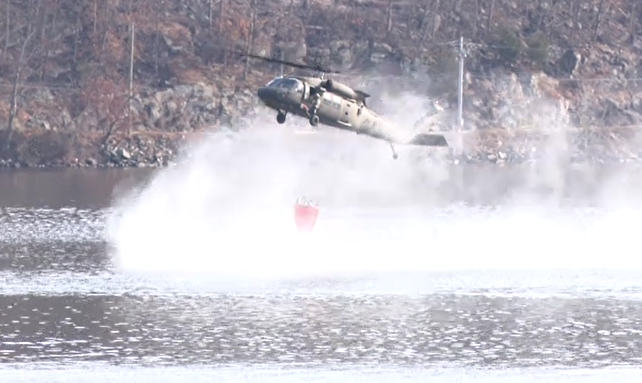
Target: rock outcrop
535 72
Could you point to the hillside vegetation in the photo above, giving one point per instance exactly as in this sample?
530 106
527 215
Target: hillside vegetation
70 96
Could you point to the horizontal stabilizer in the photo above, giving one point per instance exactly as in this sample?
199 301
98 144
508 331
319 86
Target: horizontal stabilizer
429 139
361 94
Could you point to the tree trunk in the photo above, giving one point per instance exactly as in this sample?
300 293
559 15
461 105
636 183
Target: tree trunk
250 40
106 20
15 89
477 17
42 23
7 25
95 15
632 19
77 37
491 12
156 40
540 17
574 11
598 19
389 17
221 17
421 28
221 25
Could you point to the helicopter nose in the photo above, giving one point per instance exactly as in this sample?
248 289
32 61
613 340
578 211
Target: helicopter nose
264 93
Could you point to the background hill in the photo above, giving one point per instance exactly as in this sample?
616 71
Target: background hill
69 98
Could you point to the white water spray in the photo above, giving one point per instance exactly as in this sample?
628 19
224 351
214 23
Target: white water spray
228 207
227 210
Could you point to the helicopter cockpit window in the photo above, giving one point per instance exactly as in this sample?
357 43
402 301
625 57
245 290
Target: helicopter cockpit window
274 83
292 84
287 83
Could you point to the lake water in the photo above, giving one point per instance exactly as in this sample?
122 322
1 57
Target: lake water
414 272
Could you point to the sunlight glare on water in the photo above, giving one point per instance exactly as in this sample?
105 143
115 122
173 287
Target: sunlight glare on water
269 375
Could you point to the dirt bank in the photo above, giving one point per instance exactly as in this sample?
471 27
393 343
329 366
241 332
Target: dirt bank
101 83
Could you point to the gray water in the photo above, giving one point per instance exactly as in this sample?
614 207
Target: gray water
451 292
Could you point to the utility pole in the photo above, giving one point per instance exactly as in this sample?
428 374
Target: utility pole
459 124
131 73
460 87
459 147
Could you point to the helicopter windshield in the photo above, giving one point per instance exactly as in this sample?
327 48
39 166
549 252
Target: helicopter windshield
291 84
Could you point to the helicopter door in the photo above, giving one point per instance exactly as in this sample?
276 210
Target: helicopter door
348 110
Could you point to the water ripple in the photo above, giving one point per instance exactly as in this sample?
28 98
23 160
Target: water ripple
27 225
368 330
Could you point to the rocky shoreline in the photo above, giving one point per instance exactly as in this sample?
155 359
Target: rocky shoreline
60 150
50 149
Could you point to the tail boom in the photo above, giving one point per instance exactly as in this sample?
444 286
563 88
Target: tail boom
428 139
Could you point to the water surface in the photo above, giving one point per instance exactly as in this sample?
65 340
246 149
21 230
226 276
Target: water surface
451 294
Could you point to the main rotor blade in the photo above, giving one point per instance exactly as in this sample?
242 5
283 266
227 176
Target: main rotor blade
316 67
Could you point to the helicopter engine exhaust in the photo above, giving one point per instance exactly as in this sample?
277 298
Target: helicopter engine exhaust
340 89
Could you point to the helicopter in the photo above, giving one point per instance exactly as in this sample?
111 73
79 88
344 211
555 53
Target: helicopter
329 102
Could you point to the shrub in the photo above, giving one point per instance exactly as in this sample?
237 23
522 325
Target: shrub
538 50
509 46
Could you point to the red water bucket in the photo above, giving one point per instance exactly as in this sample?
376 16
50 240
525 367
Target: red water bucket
305 215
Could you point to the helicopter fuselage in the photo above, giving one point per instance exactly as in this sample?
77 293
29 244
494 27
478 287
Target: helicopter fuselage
304 97
291 95
333 104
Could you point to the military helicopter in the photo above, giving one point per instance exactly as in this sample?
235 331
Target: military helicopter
334 104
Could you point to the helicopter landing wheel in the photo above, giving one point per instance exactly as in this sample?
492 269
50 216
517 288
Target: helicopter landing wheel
314 120
280 118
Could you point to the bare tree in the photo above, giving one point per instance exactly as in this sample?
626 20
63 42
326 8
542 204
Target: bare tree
389 17
575 11
601 10
150 13
221 16
430 22
109 101
95 8
250 38
424 19
78 32
7 35
491 14
478 13
49 35
210 12
15 89
632 22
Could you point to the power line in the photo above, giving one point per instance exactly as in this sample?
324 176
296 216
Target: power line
479 76
525 48
579 79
